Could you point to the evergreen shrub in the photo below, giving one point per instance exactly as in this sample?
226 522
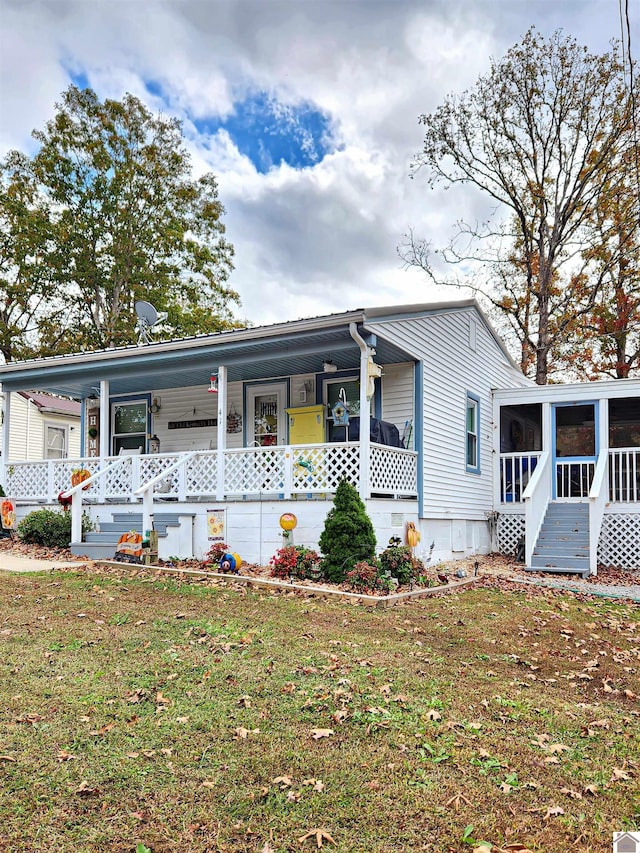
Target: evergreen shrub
348 536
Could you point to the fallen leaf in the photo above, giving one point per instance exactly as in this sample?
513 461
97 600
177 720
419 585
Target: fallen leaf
7 758
320 835
456 800
85 790
316 734
553 811
317 784
505 787
244 701
63 755
618 775
576 795
208 784
242 734
434 715
591 789
162 700
558 747
482 848
283 781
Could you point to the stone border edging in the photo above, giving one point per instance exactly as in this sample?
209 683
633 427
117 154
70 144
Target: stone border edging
379 601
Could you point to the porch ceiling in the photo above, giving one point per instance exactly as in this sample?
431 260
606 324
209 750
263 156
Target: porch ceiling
159 366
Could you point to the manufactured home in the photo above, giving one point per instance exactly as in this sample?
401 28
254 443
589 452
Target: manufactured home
217 436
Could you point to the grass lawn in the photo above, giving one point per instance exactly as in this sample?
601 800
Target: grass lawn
142 713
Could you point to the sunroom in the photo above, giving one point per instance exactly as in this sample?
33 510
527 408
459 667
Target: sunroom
568 474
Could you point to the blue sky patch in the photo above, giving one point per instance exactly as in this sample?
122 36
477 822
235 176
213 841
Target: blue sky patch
269 132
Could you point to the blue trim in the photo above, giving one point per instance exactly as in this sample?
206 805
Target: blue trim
472 469
418 431
253 383
577 459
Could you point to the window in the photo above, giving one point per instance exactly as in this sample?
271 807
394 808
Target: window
473 434
129 426
55 441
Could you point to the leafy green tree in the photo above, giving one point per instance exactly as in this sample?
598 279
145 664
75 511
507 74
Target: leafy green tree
126 221
27 287
348 536
540 135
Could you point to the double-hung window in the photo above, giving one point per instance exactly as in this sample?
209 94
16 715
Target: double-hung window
473 434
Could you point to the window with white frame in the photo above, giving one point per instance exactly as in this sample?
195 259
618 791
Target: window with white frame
473 434
55 441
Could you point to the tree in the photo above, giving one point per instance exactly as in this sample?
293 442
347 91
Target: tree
348 536
27 289
126 221
611 331
540 135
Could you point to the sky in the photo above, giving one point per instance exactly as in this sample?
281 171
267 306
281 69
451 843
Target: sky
305 110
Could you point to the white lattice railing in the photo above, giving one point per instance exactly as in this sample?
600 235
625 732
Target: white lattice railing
249 471
515 471
624 475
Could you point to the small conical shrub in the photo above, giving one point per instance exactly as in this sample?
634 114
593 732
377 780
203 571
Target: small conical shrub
348 536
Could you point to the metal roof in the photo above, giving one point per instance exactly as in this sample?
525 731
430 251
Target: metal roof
282 349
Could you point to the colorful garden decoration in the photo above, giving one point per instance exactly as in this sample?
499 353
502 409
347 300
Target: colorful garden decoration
79 475
413 535
288 522
8 514
230 563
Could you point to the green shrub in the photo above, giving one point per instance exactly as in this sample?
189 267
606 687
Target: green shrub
363 577
2 494
295 561
49 528
398 561
348 536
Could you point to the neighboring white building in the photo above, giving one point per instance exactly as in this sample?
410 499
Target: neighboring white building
42 426
243 422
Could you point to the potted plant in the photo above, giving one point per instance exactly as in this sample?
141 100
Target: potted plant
79 475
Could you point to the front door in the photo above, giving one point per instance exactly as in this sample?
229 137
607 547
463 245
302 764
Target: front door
266 417
575 448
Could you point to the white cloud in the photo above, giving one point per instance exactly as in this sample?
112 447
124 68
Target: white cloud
312 240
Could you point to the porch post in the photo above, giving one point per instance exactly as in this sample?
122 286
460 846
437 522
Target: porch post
6 417
603 427
365 425
222 430
105 421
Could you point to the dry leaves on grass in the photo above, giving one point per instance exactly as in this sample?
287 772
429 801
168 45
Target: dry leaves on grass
320 835
316 734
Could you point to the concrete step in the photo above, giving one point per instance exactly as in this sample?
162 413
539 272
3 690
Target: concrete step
101 545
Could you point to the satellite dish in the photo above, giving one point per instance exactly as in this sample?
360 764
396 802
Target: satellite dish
148 317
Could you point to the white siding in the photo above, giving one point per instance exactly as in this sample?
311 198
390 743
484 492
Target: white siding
398 396
451 368
27 431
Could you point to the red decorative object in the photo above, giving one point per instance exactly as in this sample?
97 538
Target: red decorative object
65 503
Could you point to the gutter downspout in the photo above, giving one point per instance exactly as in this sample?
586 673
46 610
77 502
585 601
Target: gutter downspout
365 423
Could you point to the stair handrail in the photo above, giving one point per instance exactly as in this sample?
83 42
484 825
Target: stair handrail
598 494
536 500
75 493
146 489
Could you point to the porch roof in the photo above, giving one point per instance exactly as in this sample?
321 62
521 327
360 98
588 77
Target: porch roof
574 392
282 349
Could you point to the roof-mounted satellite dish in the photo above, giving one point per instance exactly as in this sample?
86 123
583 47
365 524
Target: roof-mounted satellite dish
148 317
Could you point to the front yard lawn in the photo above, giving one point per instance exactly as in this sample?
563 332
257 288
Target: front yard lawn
147 713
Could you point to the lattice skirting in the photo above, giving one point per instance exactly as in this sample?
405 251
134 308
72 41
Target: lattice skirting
510 529
619 543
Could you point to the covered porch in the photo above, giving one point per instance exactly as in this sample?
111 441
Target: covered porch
243 416
567 474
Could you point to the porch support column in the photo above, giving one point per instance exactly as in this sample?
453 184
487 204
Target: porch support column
6 417
105 422
603 426
222 430
365 417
